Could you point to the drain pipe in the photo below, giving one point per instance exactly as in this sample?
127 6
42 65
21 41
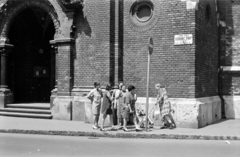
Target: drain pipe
220 69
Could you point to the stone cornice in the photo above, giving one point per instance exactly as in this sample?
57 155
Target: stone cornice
62 40
6 46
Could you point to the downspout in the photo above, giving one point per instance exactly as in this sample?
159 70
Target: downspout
220 70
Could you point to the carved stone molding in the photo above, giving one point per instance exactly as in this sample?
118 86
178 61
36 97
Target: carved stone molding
5 49
71 4
14 7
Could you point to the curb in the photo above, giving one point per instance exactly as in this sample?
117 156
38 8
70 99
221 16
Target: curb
120 135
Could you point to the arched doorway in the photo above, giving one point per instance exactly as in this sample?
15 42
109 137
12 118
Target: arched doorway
32 61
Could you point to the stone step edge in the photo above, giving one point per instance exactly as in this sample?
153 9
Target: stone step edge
25 110
27 106
29 115
120 135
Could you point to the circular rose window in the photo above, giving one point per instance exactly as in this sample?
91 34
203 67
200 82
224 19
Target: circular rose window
143 12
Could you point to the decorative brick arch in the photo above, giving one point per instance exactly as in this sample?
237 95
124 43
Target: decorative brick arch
11 11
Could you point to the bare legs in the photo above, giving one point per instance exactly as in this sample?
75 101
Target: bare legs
103 120
120 123
135 123
125 124
95 121
169 122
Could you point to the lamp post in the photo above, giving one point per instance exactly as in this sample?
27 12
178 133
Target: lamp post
150 51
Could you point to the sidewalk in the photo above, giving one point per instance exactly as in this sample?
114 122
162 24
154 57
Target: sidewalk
223 130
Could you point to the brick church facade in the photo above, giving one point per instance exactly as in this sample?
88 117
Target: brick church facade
53 51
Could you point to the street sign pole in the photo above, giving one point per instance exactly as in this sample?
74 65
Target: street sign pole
150 51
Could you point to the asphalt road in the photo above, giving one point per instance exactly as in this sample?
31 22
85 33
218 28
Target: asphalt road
21 145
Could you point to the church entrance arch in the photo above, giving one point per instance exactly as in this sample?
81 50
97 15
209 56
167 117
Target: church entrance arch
31 64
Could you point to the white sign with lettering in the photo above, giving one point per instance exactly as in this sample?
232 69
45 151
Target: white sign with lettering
182 39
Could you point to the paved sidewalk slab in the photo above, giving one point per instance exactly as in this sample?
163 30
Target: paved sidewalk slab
223 130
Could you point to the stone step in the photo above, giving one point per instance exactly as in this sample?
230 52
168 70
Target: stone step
28 115
43 106
26 110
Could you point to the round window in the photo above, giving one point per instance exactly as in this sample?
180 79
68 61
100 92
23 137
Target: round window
142 12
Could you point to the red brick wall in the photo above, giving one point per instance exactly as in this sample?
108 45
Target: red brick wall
92 58
226 15
172 66
206 50
187 71
65 70
229 45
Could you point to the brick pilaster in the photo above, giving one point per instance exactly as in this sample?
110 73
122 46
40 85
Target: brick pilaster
64 66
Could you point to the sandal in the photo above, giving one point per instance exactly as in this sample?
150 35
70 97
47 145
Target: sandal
172 126
120 128
164 126
94 127
113 129
125 129
151 125
101 129
138 129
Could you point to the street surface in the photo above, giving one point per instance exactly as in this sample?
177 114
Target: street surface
21 145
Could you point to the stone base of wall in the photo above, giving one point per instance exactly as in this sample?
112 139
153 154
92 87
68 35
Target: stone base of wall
190 113
5 98
187 113
61 108
74 108
196 113
232 106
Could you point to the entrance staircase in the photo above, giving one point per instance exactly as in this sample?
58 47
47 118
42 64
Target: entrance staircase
30 110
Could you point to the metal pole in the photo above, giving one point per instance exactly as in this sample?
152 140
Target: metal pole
147 99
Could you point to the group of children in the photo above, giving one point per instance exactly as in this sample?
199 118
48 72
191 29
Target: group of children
123 100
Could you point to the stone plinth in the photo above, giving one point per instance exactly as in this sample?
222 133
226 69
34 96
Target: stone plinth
5 98
196 113
78 110
62 108
187 113
232 106
82 111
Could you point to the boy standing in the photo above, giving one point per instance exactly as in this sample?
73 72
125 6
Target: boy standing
129 106
116 96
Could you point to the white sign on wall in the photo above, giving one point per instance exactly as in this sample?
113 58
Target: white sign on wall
182 39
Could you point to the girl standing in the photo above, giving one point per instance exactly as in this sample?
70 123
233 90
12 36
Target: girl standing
106 108
165 108
95 96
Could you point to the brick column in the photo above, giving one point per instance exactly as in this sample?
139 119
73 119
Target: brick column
64 66
54 91
5 93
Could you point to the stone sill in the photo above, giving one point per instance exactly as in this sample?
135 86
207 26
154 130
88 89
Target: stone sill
230 68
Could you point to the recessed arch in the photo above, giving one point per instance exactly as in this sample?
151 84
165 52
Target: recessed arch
31 63
15 9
